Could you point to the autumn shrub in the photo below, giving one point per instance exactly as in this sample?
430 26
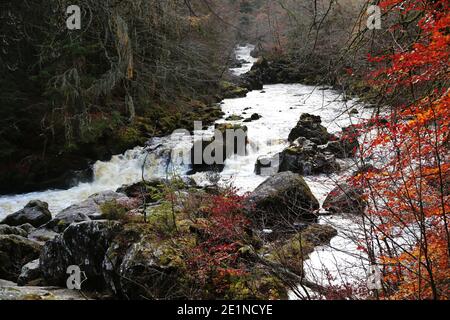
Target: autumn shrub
215 260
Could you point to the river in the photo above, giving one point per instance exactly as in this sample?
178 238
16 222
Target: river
280 106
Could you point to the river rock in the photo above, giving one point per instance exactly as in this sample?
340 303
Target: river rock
297 248
231 91
141 190
307 159
6 230
87 210
148 269
30 272
83 244
42 235
236 63
275 70
234 117
283 199
35 213
11 291
267 165
253 117
16 251
309 127
318 234
345 199
27 227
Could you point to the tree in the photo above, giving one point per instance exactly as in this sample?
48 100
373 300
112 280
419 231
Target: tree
409 193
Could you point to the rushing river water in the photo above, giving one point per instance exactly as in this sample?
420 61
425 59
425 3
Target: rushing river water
280 106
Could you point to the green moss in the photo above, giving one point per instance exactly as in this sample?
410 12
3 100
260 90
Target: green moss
230 126
257 285
229 90
295 250
234 117
111 210
171 122
293 150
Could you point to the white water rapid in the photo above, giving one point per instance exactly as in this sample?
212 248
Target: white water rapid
280 106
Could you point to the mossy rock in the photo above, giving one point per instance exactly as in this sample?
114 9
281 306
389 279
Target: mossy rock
309 127
297 249
15 252
151 269
234 117
282 199
259 284
223 127
112 210
230 90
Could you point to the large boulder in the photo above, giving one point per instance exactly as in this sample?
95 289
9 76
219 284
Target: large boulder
257 76
83 244
306 158
252 80
16 251
281 69
146 269
35 213
309 127
282 200
345 199
87 210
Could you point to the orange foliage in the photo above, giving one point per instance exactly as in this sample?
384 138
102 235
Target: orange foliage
410 194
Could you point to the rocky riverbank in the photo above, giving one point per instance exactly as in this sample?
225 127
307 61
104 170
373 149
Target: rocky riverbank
126 256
